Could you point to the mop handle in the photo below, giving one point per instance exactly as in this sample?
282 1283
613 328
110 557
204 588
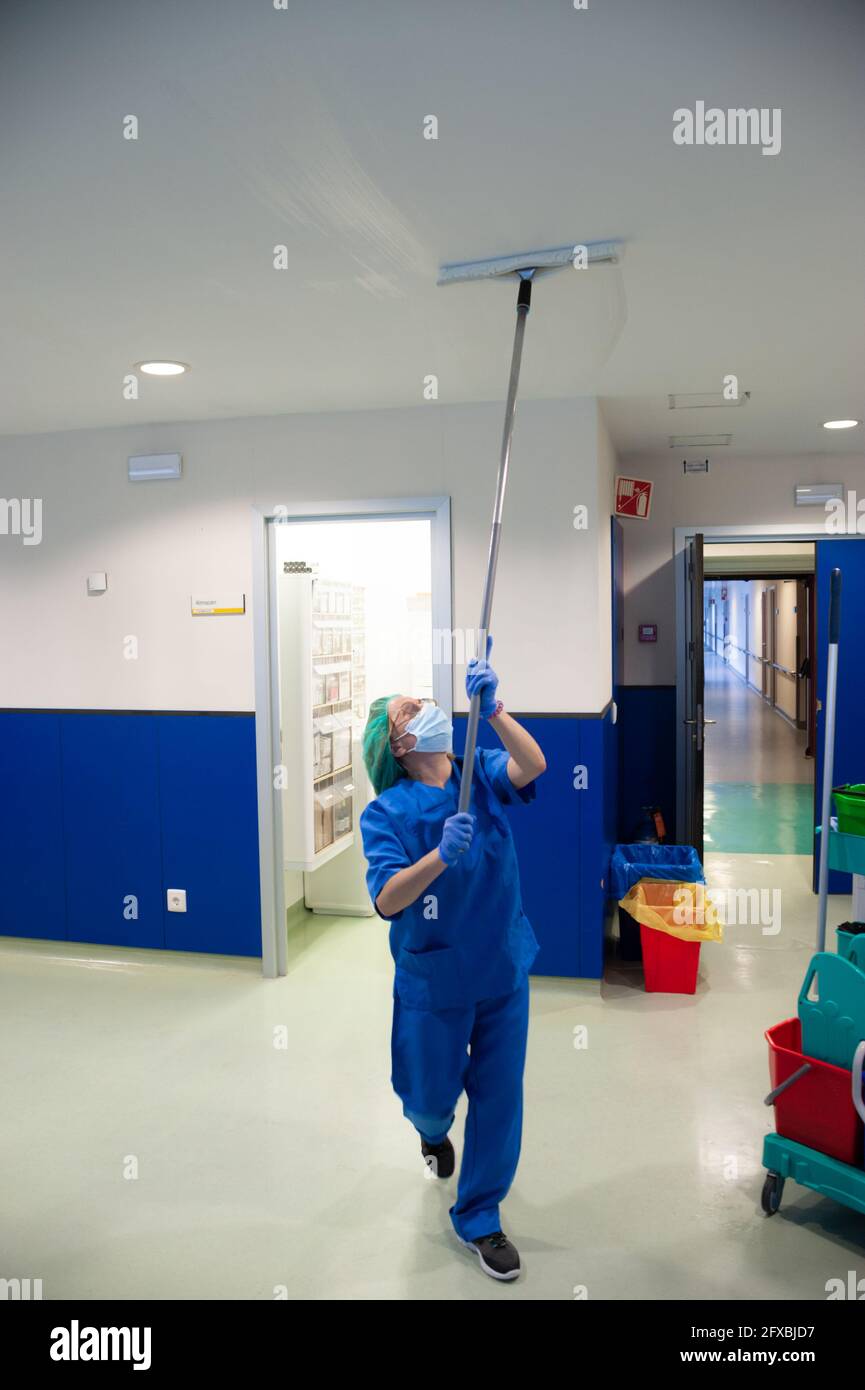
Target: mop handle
828 753
773 1095
523 302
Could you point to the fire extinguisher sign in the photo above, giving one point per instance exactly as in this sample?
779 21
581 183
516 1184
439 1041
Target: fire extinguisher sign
633 497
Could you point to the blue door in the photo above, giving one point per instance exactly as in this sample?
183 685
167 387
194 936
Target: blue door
849 557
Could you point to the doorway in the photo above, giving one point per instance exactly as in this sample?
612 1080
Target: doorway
350 604
802 671
759 772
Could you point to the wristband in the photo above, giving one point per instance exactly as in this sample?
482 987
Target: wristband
499 709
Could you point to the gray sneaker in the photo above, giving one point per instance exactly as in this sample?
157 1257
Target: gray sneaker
499 1259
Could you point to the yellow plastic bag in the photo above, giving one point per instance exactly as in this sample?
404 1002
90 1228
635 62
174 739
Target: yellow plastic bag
684 910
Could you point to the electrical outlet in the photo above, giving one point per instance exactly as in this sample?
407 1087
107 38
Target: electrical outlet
176 899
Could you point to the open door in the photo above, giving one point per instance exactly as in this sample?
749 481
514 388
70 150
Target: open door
848 555
694 694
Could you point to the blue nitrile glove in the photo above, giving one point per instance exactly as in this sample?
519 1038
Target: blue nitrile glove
456 836
482 680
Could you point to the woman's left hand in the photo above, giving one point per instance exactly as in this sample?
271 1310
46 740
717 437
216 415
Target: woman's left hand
482 680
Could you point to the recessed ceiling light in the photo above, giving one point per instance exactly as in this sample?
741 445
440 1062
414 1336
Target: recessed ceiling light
839 424
158 368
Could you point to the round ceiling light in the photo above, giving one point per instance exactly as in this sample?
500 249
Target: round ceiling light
159 368
839 424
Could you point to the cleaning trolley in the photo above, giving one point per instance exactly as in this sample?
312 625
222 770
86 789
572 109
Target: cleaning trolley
816 1059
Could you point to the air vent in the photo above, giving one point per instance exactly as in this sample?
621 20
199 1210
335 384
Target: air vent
699 441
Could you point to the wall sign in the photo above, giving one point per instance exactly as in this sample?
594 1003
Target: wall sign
218 607
633 497
648 632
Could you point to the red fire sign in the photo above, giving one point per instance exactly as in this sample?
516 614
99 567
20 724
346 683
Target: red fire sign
633 497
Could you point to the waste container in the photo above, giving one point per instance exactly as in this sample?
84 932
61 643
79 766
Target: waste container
850 942
850 806
674 919
631 863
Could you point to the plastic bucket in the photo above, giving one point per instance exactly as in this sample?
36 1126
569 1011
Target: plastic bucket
850 806
848 934
670 966
817 1110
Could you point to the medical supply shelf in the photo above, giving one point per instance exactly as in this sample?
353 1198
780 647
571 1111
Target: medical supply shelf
317 639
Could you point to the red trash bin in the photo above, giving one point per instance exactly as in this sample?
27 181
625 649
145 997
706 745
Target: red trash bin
670 965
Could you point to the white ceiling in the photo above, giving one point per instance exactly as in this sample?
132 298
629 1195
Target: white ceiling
304 127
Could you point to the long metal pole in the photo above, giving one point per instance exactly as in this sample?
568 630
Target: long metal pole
828 752
524 300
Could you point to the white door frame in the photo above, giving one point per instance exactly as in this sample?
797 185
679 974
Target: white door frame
436 510
717 535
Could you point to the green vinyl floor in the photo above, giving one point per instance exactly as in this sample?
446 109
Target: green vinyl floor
759 817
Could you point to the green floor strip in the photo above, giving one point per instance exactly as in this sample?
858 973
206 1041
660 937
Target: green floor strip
759 817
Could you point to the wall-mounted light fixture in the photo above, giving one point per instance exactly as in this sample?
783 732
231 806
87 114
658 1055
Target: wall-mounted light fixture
152 467
818 494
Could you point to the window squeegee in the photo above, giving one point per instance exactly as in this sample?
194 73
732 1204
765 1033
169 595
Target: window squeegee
525 265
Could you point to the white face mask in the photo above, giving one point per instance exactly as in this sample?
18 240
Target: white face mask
432 730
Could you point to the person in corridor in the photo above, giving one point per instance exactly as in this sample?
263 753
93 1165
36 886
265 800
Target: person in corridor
449 885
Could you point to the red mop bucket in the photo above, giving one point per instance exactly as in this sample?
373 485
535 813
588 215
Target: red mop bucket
670 965
817 1110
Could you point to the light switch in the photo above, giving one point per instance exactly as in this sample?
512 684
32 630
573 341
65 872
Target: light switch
97 583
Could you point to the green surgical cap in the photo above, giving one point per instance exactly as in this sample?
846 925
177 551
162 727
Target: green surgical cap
382 766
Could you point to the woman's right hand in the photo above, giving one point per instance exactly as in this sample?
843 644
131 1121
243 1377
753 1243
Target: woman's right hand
456 836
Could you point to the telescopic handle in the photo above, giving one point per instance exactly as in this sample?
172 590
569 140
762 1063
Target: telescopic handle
524 299
835 606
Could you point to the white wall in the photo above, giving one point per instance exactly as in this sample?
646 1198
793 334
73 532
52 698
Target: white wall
741 491
160 542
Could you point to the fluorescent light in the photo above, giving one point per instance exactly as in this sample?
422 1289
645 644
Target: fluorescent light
818 494
157 368
839 424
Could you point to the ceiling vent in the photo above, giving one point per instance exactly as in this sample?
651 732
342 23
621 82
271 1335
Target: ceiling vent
699 441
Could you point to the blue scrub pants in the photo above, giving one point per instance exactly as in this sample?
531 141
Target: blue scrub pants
432 1066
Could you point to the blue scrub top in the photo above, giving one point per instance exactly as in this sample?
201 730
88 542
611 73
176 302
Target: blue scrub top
466 937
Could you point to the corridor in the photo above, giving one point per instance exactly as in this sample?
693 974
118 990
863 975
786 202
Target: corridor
758 782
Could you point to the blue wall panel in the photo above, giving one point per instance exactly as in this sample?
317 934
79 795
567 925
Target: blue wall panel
564 840
99 807
210 832
849 765
111 817
33 895
647 755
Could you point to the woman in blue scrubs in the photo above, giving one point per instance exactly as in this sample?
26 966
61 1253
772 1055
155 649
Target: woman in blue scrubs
449 885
